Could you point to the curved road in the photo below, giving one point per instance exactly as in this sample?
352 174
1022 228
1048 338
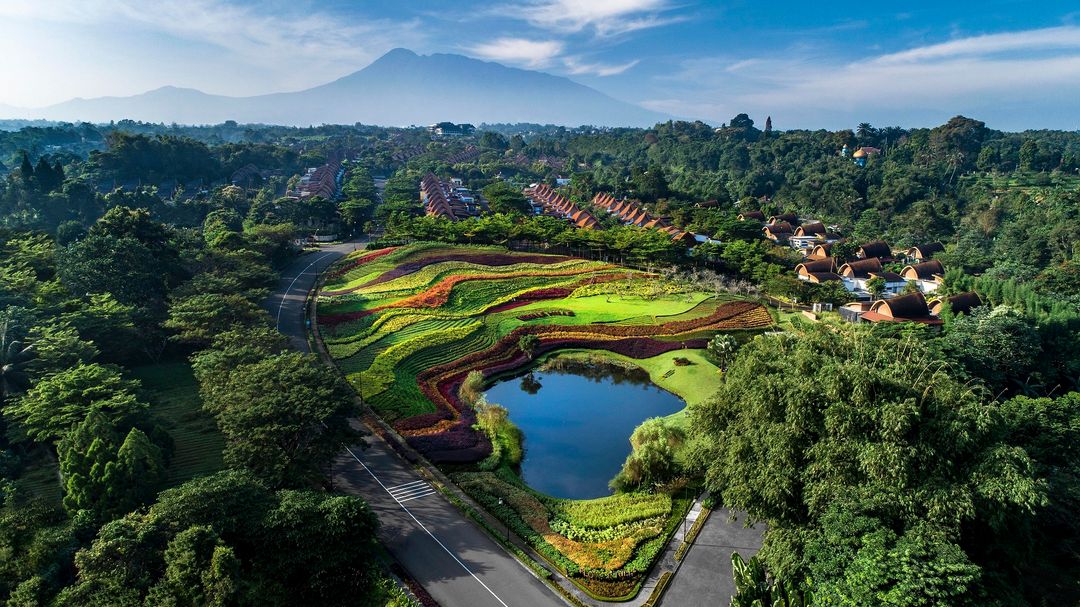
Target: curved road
456 562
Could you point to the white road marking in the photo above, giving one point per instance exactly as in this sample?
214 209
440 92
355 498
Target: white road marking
397 487
286 293
415 497
426 530
411 492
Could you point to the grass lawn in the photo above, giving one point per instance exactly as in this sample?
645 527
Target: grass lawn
692 383
175 404
598 308
40 477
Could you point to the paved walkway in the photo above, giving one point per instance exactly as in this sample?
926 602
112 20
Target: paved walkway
704 576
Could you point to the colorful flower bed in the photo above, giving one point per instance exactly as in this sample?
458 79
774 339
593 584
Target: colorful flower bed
415 321
485 258
355 262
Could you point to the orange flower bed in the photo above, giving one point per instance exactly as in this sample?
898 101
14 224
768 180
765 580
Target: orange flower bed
438 295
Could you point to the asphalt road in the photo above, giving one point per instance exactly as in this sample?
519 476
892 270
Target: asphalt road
705 578
456 562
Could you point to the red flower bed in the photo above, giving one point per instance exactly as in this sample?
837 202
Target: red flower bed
359 261
336 319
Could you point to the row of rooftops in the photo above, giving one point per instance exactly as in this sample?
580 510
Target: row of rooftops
632 213
824 270
449 199
556 204
912 307
470 153
324 180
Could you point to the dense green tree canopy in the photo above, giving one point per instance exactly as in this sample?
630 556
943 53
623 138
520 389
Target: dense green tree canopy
882 478
283 417
226 539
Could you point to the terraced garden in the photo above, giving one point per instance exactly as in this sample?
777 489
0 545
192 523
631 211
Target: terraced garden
407 326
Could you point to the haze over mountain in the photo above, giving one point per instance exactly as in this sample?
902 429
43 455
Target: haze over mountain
400 88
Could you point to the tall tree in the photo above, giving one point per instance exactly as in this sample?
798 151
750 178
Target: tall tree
60 400
283 417
87 457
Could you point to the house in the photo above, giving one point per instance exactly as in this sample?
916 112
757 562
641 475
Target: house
961 303
894 283
821 251
777 232
449 199
861 155
805 269
449 129
875 248
632 213
927 275
247 176
551 202
752 216
902 308
820 277
923 252
853 312
809 234
788 217
857 273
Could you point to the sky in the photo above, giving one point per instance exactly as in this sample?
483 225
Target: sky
1014 65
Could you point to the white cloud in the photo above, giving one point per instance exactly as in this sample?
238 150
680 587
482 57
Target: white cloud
1053 38
575 66
604 17
971 74
521 51
297 49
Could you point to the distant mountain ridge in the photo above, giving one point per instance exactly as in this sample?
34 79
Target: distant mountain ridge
400 88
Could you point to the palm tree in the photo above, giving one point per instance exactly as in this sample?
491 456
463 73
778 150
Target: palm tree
865 131
13 358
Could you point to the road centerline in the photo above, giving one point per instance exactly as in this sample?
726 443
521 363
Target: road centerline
428 531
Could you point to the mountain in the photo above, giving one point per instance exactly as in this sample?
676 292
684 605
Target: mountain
400 88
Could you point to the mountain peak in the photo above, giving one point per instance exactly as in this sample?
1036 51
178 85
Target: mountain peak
399 88
397 54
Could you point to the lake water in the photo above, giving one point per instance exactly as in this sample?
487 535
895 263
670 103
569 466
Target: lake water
577 429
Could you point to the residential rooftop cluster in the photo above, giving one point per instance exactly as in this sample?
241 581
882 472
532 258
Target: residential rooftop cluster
545 198
450 199
902 293
324 180
470 153
630 212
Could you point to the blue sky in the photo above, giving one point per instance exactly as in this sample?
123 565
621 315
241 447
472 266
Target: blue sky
1015 65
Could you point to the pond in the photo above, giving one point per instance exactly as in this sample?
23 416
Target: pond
577 425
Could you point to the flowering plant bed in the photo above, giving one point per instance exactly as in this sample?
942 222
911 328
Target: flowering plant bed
409 326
